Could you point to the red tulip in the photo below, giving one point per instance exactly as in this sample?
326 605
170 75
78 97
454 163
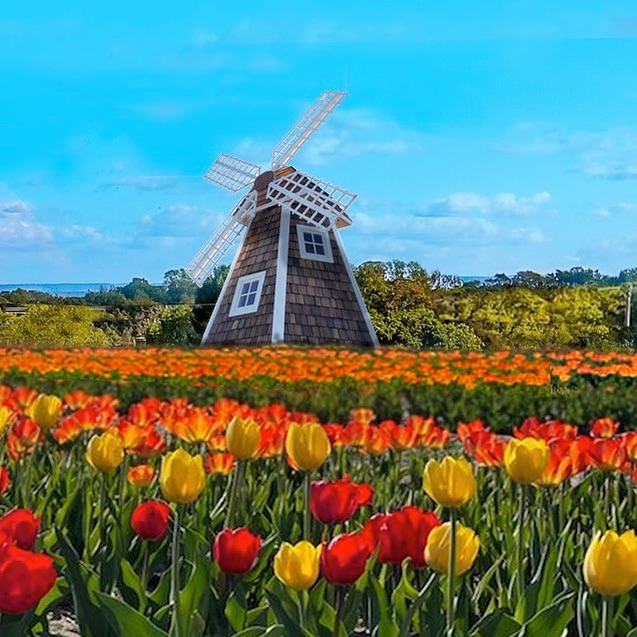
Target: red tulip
150 520
343 560
236 550
401 534
605 454
4 480
604 428
336 502
25 578
20 527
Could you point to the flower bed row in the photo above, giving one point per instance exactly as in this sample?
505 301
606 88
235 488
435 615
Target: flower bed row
501 387
175 519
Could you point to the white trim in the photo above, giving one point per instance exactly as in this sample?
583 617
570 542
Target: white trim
327 244
224 288
255 277
281 282
359 296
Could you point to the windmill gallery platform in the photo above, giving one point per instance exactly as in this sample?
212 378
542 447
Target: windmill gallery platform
290 280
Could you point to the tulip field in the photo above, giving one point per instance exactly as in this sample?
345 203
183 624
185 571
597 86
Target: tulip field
384 493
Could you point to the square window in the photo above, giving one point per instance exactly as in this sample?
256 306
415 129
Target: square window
314 244
247 294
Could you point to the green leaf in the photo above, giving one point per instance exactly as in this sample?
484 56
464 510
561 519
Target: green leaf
416 605
192 594
125 620
551 621
498 624
386 627
131 586
235 611
84 586
277 630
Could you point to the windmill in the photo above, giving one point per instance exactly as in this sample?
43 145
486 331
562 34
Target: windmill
290 280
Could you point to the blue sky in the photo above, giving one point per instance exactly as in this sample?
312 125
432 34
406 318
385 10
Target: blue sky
480 139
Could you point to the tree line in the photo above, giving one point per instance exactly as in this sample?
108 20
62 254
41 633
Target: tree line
408 306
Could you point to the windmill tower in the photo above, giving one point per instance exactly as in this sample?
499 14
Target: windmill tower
290 280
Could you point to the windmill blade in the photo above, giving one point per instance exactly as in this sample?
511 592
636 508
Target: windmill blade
224 237
303 129
314 200
232 173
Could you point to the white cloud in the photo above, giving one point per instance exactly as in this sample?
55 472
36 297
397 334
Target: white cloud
19 228
611 210
606 154
179 220
18 206
347 134
356 132
146 183
505 204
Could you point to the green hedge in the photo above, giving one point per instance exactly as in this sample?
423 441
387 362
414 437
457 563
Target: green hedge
500 406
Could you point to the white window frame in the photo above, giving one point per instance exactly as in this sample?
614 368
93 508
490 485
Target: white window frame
235 310
327 257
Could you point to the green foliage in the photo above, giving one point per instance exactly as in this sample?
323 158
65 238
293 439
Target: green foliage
206 296
179 287
399 298
174 327
521 318
122 325
455 336
53 325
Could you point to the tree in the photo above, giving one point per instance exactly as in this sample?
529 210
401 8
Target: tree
180 288
628 275
54 326
174 327
141 291
498 280
207 296
530 279
579 276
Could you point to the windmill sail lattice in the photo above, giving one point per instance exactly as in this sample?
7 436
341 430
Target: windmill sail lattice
232 173
301 287
312 199
305 127
223 239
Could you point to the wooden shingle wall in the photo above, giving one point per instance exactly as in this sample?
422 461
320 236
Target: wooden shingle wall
321 305
259 253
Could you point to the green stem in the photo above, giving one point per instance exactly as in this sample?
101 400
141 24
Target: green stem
520 554
301 609
451 575
145 560
101 551
307 515
174 572
608 494
340 597
606 616
27 483
87 514
234 493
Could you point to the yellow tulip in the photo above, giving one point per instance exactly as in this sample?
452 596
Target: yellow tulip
105 452
45 411
307 445
525 460
297 566
182 477
450 483
610 563
6 416
438 545
243 438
